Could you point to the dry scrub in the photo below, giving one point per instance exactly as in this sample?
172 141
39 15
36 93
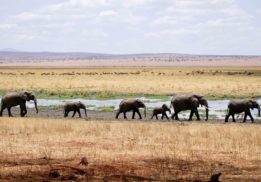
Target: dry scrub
240 82
174 150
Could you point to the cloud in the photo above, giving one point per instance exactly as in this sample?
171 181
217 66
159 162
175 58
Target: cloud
107 13
30 16
7 26
162 26
72 4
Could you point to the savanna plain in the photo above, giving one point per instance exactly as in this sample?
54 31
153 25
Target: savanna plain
52 148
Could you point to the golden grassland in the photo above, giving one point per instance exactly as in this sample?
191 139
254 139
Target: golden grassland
238 82
233 149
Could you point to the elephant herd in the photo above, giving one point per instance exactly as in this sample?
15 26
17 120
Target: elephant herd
179 103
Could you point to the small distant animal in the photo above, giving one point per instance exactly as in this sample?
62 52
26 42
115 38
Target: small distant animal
161 110
215 177
75 107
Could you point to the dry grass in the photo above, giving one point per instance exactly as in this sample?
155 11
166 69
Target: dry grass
238 82
205 148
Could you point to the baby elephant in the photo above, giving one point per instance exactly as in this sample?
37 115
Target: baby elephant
161 110
75 107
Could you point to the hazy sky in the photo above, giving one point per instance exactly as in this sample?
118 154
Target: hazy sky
132 26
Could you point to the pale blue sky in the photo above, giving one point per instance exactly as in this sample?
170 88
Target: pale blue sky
132 26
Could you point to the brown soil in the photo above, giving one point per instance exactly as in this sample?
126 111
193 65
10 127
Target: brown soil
156 169
135 170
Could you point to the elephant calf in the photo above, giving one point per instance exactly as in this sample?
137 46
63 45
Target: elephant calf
75 107
239 106
161 110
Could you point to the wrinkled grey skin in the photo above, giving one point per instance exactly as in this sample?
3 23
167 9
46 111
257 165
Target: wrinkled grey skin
75 107
133 105
188 102
239 106
14 99
161 110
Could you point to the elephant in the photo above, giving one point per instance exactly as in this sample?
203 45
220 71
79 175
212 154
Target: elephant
75 107
13 99
188 102
161 110
131 105
239 106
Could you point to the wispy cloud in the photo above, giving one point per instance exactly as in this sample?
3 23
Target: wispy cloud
202 26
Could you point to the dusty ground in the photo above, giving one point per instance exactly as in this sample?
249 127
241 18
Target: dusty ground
137 170
39 135
46 112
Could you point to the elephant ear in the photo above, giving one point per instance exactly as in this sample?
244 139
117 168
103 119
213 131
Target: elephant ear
198 96
25 95
250 104
194 102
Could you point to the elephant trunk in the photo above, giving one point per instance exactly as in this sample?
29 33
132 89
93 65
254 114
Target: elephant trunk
85 112
206 113
259 111
145 111
35 104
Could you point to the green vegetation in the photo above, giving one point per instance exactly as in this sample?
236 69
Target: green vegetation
104 95
106 108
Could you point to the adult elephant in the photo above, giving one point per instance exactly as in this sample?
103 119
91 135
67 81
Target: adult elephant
188 102
75 107
133 105
14 99
239 106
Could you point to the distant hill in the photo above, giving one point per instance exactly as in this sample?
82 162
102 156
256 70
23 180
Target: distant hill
12 54
15 55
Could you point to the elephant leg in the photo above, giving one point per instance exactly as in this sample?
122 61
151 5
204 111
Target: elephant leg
133 114
73 113
118 113
248 113
152 116
227 117
124 113
175 115
157 117
23 110
166 116
66 113
191 115
9 112
251 117
197 115
2 109
78 110
162 116
233 117
139 113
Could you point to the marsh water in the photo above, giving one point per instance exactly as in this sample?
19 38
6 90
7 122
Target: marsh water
217 110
